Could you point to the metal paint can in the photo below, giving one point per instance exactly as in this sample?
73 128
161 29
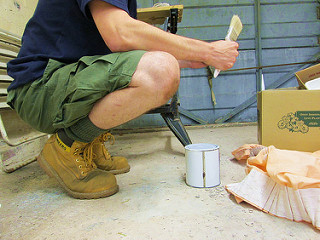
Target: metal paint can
202 165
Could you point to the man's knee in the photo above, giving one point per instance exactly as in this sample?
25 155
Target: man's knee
161 74
170 69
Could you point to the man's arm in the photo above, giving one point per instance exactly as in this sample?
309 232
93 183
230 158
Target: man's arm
123 33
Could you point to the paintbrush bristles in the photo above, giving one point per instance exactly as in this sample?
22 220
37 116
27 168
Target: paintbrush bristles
234 29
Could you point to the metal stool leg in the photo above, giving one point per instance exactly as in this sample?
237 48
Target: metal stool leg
176 126
172 119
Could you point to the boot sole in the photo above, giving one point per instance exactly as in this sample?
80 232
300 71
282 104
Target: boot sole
52 173
119 171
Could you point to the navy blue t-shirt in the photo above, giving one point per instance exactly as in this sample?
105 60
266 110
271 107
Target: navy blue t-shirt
62 30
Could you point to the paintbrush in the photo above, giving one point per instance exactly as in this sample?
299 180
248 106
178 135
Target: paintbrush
234 31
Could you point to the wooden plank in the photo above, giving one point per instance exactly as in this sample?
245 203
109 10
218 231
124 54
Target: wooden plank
268 31
3 102
3 87
287 55
290 29
10 38
8 53
3 105
278 11
216 16
303 12
3 71
3 99
157 15
10 47
270 2
6 78
293 42
5 59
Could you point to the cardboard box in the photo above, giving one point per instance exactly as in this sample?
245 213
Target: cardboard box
307 74
290 118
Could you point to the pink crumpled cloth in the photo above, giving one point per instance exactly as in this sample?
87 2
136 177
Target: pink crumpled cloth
294 169
283 183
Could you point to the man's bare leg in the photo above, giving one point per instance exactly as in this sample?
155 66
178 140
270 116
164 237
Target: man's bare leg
154 82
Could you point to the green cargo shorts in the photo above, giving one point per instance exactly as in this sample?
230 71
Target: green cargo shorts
67 92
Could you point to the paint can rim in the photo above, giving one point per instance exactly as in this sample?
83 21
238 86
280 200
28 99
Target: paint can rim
202 147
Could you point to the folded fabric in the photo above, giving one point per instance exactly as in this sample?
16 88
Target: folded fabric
265 194
280 182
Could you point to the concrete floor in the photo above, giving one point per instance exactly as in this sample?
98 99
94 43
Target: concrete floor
154 201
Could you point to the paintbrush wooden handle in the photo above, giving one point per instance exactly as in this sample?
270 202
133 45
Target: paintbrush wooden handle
216 73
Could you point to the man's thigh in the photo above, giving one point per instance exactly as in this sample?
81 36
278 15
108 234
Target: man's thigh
66 93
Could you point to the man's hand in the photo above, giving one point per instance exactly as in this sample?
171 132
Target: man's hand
224 55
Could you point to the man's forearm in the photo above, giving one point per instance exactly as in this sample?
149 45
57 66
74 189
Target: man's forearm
147 37
123 33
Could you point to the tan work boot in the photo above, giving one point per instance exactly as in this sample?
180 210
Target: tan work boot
74 169
103 159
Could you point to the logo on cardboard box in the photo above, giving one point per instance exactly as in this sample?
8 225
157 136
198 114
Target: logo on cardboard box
300 121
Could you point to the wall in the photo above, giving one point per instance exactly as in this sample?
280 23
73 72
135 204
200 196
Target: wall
289 34
14 14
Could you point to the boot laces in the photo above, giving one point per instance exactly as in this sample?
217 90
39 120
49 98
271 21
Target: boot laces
105 137
101 140
85 158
